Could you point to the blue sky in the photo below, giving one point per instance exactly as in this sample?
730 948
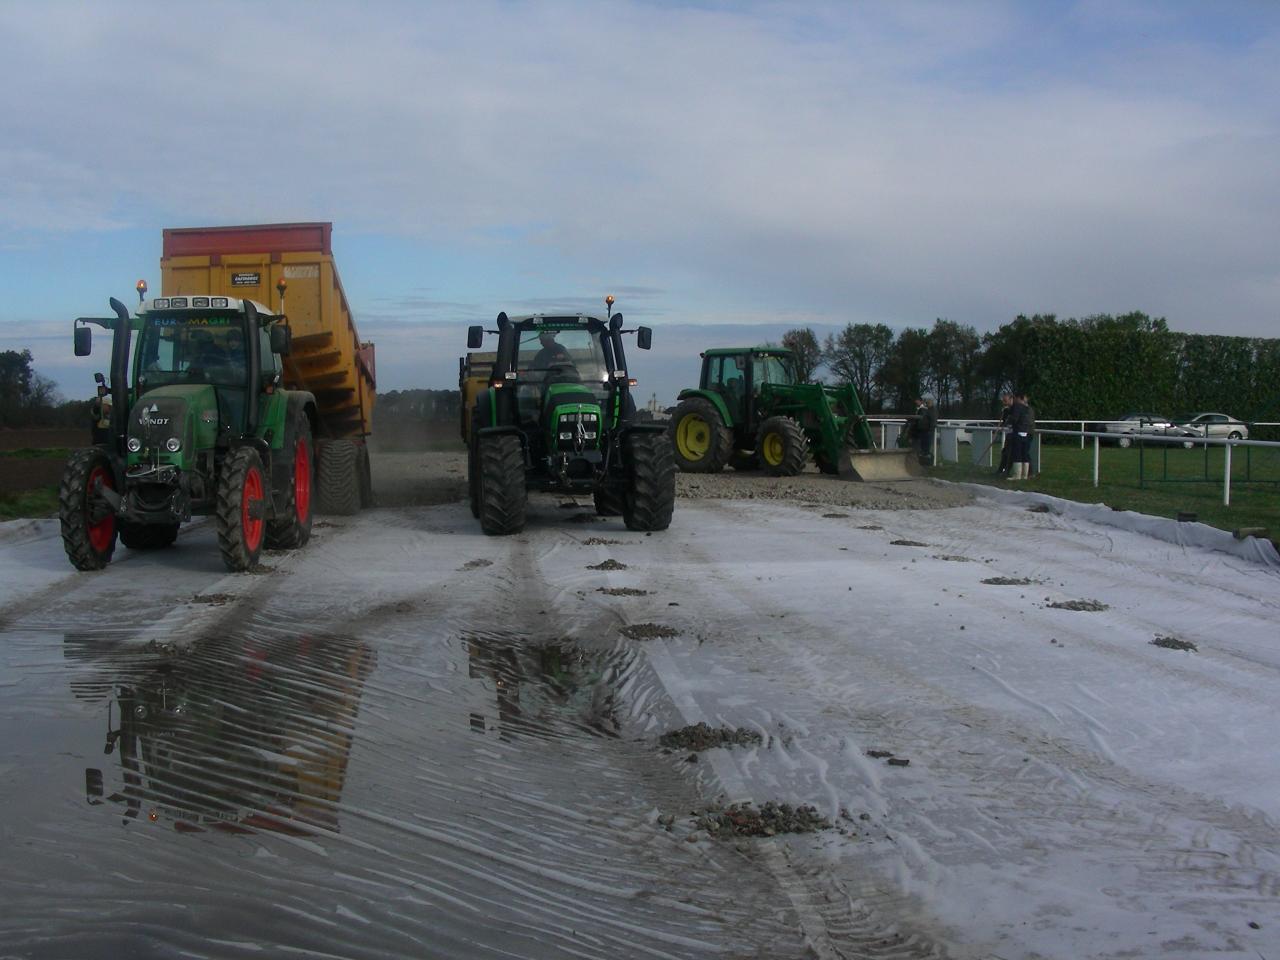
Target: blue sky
776 164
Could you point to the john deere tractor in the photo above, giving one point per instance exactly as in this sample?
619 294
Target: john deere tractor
749 412
201 428
557 415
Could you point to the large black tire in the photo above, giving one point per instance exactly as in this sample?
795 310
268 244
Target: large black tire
502 494
651 495
473 469
89 542
609 501
782 447
148 536
701 442
242 509
338 479
745 460
365 468
292 529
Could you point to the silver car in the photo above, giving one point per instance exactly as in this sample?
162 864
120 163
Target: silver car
1151 426
1218 425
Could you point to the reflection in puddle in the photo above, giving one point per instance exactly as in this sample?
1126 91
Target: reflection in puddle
545 688
237 734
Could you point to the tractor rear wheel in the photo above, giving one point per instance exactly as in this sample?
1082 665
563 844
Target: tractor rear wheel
147 536
782 447
473 467
293 529
87 520
610 501
365 467
502 493
651 496
338 479
701 441
242 509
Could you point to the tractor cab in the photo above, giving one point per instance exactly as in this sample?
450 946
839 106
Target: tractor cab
737 374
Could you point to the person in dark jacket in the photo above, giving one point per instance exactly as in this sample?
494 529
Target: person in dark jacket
1022 423
1006 440
922 430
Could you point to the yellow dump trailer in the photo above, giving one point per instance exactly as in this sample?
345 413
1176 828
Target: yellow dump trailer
287 266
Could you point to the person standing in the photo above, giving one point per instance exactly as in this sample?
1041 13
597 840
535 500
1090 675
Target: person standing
1031 434
922 430
1006 431
1021 424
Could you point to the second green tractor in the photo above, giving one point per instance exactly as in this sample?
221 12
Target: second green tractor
749 412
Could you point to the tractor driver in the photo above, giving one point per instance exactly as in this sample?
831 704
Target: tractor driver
551 353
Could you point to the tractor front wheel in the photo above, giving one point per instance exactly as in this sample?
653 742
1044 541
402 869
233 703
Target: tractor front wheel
701 441
502 494
651 494
293 529
242 509
87 520
782 447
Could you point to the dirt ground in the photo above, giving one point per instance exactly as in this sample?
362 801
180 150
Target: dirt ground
429 477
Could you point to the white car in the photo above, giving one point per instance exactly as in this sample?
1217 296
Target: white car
1217 425
1151 426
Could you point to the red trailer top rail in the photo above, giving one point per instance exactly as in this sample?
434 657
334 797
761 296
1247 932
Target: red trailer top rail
255 238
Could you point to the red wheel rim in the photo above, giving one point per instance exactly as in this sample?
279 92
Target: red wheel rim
302 481
252 494
102 532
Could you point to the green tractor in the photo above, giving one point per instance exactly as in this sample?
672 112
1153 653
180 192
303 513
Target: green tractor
749 412
202 428
558 415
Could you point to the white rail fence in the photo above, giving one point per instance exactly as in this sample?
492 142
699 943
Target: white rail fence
986 436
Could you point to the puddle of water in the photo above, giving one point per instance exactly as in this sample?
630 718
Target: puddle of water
233 734
547 688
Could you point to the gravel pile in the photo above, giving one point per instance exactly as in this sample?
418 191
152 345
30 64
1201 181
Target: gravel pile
648 631
622 591
814 487
700 736
1173 643
1009 581
744 820
1091 606
610 564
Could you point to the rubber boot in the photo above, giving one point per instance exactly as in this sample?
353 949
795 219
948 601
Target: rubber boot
1015 471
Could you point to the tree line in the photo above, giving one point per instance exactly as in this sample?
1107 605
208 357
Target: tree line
1095 368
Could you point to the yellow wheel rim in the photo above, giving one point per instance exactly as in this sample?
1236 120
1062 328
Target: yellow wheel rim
773 449
693 437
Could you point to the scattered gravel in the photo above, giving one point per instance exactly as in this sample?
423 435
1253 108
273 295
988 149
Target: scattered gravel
1173 643
955 557
622 591
601 542
648 631
814 487
217 599
1092 606
835 516
907 543
476 564
745 820
610 564
699 736
1009 581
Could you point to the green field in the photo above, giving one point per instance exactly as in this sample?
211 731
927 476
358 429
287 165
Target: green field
1161 480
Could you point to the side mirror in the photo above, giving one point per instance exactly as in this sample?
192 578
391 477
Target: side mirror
615 322
475 337
84 341
281 340
644 338
502 320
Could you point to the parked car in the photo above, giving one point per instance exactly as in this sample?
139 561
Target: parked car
1218 425
1152 427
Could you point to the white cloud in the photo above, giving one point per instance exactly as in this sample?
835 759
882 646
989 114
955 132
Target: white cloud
882 162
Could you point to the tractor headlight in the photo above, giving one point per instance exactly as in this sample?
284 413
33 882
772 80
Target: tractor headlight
173 444
134 444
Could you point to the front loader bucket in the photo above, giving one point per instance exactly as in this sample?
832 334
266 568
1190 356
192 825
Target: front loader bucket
873 466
